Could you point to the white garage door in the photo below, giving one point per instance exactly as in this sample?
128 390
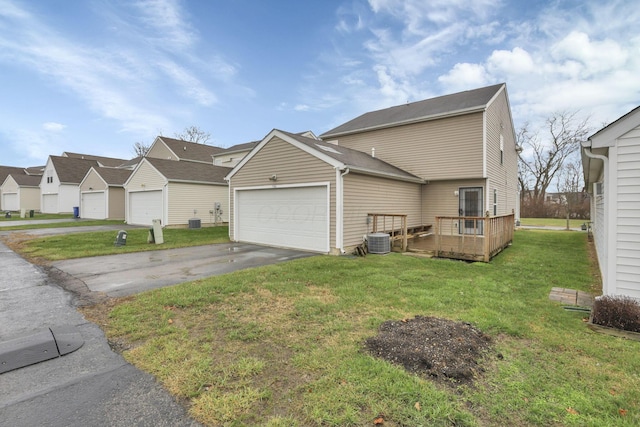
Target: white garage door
50 203
286 217
94 205
144 207
10 202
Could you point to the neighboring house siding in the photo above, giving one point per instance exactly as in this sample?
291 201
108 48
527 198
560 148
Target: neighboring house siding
187 201
160 151
93 182
628 215
229 160
448 148
300 168
146 178
49 188
366 194
501 174
68 197
441 198
116 203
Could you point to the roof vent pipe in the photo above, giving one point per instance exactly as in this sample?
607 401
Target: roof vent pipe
373 151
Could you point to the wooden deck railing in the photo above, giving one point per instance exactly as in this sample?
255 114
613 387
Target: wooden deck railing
393 224
473 238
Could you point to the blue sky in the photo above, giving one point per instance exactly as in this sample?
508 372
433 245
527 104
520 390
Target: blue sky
97 76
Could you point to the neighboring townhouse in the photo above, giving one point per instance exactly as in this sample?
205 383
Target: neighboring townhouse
453 155
5 171
60 184
21 191
102 194
176 192
611 165
233 155
177 149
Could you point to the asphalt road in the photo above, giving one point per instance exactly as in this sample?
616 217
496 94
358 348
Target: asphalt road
95 386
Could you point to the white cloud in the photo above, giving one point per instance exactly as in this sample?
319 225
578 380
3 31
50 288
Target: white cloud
302 107
464 76
166 19
53 127
510 62
593 56
190 84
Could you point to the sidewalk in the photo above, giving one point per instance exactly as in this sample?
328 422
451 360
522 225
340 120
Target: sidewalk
91 386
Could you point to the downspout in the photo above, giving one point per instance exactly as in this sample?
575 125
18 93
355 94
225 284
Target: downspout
340 208
605 162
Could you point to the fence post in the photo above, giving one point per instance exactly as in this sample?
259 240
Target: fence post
487 238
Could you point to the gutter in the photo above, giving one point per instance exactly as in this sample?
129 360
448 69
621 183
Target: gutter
374 172
592 155
340 208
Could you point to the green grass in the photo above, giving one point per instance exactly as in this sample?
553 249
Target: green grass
282 345
552 222
79 245
15 216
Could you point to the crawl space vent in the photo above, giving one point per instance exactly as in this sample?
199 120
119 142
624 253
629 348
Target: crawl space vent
378 243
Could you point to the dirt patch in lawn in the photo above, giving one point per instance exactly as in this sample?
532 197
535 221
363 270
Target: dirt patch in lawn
439 349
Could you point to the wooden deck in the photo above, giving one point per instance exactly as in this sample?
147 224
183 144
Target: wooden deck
464 238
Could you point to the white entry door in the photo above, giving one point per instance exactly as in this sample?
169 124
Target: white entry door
291 217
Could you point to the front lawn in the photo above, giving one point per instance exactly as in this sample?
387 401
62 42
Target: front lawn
79 245
283 345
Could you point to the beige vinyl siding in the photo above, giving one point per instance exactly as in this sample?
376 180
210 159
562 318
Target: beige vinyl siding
299 168
628 215
502 177
10 185
440 198
116 197
93 182
366 194
187 201
448 148
146 178
161 151
30 198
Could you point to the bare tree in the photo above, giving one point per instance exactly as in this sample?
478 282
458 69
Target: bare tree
194 134
543 158
140 149
571 186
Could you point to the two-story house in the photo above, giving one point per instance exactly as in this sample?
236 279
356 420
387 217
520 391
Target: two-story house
451 155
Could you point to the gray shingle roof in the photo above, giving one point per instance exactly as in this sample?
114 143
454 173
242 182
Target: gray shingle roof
240 147
114 176
104 161
189 171
355 159
5 171
191 151
72 170
24 180
470 100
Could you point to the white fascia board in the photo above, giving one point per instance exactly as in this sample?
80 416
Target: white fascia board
373 172
186 181
608 136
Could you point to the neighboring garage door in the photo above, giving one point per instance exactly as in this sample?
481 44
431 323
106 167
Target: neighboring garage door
295 217
10 202
50 203
144 207
93 205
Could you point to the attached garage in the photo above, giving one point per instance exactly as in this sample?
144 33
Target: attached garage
298 192
292 217
93 205
145 206
50 203
10 202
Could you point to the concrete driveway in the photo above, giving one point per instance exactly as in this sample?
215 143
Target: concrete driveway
126 274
